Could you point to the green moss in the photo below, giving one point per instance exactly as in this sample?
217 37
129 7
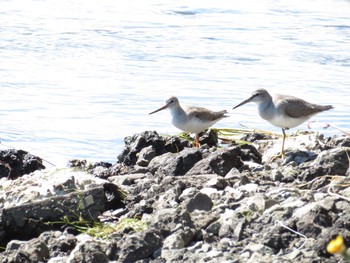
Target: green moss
135 224
102 230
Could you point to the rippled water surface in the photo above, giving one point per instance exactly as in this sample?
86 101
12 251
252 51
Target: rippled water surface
76 77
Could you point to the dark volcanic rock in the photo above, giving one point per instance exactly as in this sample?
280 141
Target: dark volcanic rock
16 163
219 162
299 157
330 162
199 202
59 244
209 138
252 137
338 141
32 251
188 204
138 246
249 153
30 219
134 145
175 163
93 251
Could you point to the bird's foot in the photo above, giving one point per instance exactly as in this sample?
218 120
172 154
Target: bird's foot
277 156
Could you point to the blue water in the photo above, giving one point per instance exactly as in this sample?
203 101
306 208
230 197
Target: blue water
76 77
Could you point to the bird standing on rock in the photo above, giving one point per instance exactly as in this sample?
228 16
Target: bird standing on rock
191 119
283 111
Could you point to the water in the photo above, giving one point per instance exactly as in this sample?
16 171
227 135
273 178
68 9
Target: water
76 77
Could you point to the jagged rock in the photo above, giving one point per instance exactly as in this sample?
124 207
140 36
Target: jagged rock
299 157
252 137
248 152
213 228
219 162
168 219
209 138
175 163
232 208
38 214
338 141
199 202
179 239
228 221
330 162
218 183
146 155
59 244
138 246
91 251
32 251
16 163
134 144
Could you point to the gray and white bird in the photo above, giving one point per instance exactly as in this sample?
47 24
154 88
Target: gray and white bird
191 119
283 111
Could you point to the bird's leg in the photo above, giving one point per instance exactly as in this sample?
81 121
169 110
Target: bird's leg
283 140
196 144
281 154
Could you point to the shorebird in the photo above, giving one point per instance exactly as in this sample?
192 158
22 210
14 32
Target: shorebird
191 119
283 111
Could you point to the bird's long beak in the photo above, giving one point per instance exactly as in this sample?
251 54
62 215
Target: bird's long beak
244 102
162 108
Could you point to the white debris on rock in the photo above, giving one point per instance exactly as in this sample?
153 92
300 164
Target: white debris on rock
43 184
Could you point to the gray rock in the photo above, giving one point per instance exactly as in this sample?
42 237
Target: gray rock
219 162
248 188
58 260
160 161
199 218
16 163
90 251
331 162
225 244
199 202
342 206
214 228
202 219
175 163
168 219
228 222
14 245
188 193
256 203
238 231
294 254
38 214
32 251
304 210
138 246
179 239
134 144
299 157
209 191
219 183
174 255
339 141
59 244
145 156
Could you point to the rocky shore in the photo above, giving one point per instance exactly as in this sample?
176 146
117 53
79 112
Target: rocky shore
165 201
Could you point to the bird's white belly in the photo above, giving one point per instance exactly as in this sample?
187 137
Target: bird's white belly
193 125
283 121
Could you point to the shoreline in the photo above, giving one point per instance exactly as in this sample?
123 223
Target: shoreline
165 201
